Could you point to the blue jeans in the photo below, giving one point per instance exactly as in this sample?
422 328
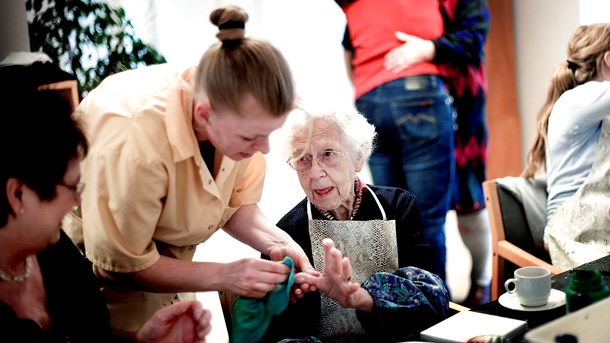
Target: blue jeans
415 121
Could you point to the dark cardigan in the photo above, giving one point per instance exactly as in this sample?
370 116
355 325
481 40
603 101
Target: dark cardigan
300 319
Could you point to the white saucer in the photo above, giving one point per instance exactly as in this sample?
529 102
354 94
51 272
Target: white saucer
556 299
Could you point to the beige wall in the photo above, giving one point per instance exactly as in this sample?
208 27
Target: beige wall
542 30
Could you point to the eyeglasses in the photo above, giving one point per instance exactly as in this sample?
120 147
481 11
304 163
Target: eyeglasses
77 189
326 159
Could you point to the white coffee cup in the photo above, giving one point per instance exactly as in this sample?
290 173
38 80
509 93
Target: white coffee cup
532 286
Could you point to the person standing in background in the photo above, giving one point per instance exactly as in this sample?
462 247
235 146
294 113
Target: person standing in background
409 106
460 54
460 51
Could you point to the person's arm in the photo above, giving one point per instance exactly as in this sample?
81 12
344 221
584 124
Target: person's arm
126 235
248 277
580 109
391 302
348 54
384 300
409 295
465 35
414 50
349 67
250 226
462 43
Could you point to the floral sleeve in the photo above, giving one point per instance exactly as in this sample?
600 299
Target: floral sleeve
405 302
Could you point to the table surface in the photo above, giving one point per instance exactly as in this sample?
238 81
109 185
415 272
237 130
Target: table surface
537 318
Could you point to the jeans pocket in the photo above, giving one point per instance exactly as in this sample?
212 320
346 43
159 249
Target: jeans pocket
419 118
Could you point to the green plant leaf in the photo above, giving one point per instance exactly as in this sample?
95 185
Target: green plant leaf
87 38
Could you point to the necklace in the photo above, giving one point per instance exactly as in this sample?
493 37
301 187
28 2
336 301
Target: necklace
11 277
358 188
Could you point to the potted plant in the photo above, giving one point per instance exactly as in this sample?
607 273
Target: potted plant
90 39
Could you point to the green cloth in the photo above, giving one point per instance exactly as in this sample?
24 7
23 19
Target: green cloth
251 316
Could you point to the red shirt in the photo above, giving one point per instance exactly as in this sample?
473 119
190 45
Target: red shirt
372 24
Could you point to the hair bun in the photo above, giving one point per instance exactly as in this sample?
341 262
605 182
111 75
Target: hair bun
231 23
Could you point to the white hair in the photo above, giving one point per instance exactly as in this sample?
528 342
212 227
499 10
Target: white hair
356 131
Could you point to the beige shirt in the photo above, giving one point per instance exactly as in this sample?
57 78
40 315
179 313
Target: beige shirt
148 191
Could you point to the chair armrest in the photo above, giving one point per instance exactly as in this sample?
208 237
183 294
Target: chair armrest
522 258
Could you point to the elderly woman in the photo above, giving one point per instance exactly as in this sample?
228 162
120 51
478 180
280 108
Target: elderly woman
48 292
380 288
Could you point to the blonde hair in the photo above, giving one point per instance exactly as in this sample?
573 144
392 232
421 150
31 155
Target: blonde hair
238 66
586 51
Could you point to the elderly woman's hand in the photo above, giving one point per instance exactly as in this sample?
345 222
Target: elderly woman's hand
336 282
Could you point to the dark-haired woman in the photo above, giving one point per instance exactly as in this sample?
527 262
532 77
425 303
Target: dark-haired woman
48 292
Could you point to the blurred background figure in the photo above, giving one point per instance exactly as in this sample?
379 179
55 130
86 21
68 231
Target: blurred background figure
409 105
459 53
572 149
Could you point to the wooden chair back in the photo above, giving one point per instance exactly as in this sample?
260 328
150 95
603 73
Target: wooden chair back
511 236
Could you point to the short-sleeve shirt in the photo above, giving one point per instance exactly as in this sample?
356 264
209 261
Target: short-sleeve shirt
148 190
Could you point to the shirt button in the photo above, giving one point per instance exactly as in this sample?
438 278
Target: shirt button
210 227
176 296
214 198
223 169
191 247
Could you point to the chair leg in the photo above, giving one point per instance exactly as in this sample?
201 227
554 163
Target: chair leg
497 279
